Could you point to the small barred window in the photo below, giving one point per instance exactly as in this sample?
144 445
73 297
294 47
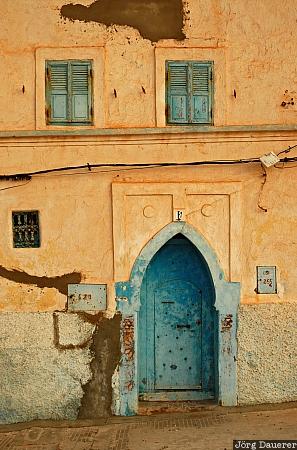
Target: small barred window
25 226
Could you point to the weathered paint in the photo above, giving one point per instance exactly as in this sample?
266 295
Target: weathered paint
42 376
87 229
176 324
208 26
155 20
105 347
227 297
86 297
69 92
186 101
57 366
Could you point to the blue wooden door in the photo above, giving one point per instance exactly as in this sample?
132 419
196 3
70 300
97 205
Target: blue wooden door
176 325
177 366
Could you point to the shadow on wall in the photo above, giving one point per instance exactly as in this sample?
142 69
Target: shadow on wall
155 19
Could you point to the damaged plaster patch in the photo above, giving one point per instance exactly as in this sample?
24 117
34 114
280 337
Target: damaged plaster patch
155 19
97 399
71 331
60 282
38 379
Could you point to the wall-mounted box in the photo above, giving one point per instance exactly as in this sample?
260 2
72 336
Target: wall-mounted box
87 297
266 279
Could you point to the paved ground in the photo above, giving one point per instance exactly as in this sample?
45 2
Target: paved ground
212 429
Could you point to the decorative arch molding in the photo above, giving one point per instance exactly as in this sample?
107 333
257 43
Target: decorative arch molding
227 298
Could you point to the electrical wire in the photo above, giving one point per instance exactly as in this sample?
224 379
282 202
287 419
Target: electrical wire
97 172
287 167
15 186
120 166
287 150
130 166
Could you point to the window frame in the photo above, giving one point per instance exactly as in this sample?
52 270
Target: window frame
189 94
70 119
97 57
199 50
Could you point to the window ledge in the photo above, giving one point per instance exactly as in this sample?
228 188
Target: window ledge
169 130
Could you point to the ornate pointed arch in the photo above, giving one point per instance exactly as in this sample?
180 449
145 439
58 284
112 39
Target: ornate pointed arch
227 297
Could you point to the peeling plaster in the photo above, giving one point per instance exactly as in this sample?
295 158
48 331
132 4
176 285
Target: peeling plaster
85 343
61 373
155 19
40 380
97 399
60 282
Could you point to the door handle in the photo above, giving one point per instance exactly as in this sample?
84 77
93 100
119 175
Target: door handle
183 326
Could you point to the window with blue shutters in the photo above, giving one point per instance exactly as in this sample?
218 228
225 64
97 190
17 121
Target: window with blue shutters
68 92
189 92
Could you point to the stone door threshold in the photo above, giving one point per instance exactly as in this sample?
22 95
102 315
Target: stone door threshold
146 408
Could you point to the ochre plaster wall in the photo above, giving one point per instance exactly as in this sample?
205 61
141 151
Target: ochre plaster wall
76 217
256 44
89 235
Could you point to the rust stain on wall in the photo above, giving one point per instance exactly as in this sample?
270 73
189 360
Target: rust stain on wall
60 282
128 348
227 322
155 19
128 337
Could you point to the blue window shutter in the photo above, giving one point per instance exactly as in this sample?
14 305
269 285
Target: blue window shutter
177 92
57 91
80 91
201 95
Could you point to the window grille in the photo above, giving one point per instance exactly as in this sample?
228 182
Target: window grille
25 226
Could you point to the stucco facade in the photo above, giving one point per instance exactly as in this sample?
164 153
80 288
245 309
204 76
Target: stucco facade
102 224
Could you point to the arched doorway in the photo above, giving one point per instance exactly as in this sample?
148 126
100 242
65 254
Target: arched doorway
177 327
128 295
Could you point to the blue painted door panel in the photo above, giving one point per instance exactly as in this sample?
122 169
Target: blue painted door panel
177 334
176 322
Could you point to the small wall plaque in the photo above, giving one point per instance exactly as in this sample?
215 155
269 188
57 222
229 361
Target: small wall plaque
179 215
266 279
86 297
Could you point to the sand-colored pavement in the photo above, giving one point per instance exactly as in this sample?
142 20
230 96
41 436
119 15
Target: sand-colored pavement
203 430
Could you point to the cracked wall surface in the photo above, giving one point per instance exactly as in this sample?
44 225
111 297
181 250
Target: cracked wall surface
45 379
267 353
